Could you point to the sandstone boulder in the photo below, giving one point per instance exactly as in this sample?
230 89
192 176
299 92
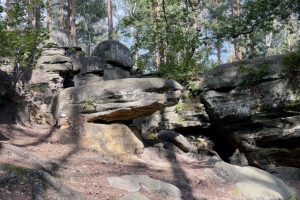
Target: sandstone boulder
115 53
256 107
59 38
114 139
253 183
179 140
116 100
172 119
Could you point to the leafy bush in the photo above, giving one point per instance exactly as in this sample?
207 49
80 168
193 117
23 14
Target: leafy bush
291 65
89 102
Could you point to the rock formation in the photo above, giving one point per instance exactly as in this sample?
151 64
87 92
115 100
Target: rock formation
256 107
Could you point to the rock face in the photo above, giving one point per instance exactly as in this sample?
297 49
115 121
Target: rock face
253 183
133 183
117 100
115 53
114 139
172 118
255 104
100 91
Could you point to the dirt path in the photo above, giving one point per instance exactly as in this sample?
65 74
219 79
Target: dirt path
86 171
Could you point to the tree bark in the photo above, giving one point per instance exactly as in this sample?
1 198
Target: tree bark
110 20
229 51
156 20
235 46
7 15
69 19
62 19
48 15
219 52
239 47
73 28
29 13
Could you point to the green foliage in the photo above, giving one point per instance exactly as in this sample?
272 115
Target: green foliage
188 106
35 88
193 87
89 102
20 45
291 65
254 75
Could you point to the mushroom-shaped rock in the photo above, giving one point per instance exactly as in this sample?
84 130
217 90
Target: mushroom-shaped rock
115 53
117 100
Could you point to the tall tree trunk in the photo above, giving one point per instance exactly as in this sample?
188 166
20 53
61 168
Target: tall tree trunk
7 15
37 16
288 42
229 51
69 18
235 46
62 18
110 20
269 37
29 13
156 20
73 28
219 52
48 15
239 47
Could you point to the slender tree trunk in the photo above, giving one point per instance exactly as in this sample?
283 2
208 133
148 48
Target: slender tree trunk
235 46
156 19
269 42
110 20
62 18
239 47
69 18
48 15
38 16
219 52
229 51
7 15
195 26
73 28
288 42
29 13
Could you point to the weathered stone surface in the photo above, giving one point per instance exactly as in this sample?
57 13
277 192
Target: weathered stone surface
238 158
134 196
92 64
259 115
84 79
253 183
114 52
53 59
241 104
165 190
123 99
170 119
286 173
114 139
59 68
229 76
124 184
54 52
179 140
59 38
113 73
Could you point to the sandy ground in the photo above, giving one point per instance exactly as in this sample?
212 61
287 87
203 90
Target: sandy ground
86 171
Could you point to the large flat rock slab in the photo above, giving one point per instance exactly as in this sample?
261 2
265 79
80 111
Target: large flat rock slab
116 100
133 183
254 183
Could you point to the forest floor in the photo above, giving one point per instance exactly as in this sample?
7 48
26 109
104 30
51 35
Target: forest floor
86 171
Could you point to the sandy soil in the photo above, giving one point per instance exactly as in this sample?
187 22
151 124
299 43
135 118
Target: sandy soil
86 171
